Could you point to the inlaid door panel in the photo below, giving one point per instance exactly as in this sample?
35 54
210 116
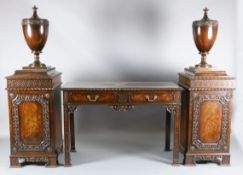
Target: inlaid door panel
31 124
210 121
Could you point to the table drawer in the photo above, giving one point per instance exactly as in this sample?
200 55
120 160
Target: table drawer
152 97
93 97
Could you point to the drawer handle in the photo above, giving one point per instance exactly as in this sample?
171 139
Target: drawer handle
92 99
151 99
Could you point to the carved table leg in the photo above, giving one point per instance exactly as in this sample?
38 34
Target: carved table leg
67 160
72 127
177 120
167 131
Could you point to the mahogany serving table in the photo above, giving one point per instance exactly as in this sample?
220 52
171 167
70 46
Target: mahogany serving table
122 96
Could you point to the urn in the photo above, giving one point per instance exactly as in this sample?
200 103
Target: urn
204 34
35 32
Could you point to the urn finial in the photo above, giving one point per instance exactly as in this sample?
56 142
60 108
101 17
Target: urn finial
205 13
35 12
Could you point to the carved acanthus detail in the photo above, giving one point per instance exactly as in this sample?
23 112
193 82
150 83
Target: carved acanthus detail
171 108
70 108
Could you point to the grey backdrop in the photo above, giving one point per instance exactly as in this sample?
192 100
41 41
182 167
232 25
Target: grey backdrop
120 40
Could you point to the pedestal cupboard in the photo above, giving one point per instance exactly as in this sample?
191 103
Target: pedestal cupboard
206 118
35 116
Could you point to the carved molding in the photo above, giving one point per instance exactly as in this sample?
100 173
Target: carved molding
18 161
36 159
213 84
220 159
122 108
193 77
123 97
208 89
221 144
29 83
203 83
208 158
41 99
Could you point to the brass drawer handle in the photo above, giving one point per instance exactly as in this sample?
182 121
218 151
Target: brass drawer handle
151 99
92 99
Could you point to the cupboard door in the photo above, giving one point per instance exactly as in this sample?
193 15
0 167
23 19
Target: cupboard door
211 121
31 127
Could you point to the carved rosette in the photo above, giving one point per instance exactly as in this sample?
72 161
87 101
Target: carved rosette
43 101
223 100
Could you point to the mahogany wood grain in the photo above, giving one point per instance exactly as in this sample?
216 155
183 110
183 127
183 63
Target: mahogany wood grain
35 117
122 96
206 118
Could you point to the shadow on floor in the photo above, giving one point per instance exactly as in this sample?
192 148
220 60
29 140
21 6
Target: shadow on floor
103 146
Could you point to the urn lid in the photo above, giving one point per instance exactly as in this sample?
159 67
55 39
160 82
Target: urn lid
35 19
205 21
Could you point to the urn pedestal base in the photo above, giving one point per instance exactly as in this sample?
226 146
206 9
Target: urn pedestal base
35 117
206 117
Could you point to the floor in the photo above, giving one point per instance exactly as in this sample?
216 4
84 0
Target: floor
122 153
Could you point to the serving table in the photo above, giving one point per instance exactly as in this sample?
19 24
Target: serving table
122 96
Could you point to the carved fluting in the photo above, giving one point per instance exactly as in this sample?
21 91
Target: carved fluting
122 108
19 145
222 100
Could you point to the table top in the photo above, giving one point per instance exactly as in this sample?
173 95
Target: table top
120 86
